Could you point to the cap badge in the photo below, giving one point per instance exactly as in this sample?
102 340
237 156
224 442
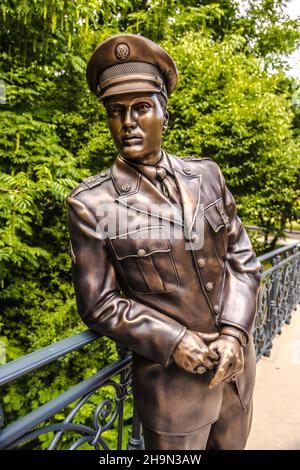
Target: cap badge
122 51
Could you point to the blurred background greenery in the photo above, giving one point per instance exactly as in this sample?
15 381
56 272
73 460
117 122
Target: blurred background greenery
235 103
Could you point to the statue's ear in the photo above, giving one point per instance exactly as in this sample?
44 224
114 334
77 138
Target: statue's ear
166 119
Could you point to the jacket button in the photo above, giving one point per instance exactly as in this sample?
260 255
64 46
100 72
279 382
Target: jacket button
187 170
126 187
141 252
103 174
217 308
209 285
201 262
194 238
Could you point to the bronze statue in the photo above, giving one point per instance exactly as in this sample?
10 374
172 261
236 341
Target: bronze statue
163 264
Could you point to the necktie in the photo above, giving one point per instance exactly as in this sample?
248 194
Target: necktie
164 185
164 182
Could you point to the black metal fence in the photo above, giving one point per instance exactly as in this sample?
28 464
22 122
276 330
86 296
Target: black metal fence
279 296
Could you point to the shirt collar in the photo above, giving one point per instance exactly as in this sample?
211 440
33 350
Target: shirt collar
150 170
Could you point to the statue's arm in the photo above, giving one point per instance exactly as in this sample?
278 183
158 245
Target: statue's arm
99 302
243 270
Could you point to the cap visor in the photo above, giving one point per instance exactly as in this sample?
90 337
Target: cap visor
130 87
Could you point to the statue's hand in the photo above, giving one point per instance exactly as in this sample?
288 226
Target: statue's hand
192 351
231 361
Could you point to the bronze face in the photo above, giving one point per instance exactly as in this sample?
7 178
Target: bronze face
136 122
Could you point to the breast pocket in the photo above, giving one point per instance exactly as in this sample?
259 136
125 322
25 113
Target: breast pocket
218 221
145 258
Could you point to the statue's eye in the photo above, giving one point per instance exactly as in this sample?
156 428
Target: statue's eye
142 107
114 110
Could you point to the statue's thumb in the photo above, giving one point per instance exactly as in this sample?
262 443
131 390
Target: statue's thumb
209 337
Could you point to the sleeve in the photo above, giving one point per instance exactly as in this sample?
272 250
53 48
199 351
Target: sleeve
99 302
243 270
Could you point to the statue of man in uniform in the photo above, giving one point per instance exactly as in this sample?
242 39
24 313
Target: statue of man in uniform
184 304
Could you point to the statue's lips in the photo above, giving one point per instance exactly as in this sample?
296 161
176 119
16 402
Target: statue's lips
130 141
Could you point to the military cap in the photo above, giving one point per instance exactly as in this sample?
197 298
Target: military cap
128 63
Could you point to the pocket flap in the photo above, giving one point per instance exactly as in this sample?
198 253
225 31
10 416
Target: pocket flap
140 243
216 215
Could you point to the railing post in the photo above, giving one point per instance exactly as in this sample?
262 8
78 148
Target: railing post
295 288
135 441
122 352
1 417
291 281
271 320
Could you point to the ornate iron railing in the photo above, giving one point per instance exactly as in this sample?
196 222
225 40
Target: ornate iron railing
279 296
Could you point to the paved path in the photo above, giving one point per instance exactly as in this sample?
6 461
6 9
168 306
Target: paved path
291 236
276 419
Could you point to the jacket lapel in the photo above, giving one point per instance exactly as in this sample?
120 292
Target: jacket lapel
189 185
138 193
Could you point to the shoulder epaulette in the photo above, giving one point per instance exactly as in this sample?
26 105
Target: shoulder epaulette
90 182
198 159
93 181
190 158
206 158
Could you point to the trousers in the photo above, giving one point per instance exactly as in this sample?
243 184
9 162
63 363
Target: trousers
229 432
